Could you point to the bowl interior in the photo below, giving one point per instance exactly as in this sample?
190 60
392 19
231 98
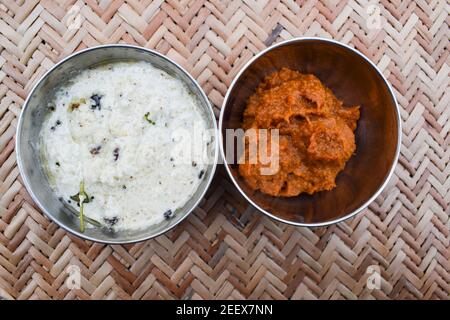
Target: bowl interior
33 116
353 80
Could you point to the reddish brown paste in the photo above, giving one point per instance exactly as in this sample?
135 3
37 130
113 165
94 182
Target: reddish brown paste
316 134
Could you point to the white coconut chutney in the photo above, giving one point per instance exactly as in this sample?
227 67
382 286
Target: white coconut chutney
119 129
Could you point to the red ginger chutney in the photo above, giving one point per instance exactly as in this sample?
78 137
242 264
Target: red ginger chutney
316 134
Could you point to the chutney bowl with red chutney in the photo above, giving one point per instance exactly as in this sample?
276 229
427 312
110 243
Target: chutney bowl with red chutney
354 80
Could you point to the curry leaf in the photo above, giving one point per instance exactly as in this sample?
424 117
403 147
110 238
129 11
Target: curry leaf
147 117
81 198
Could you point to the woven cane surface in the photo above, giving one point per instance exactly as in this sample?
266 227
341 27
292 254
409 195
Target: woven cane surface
226 249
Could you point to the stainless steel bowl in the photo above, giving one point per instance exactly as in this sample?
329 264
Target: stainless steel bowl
357 81
32 117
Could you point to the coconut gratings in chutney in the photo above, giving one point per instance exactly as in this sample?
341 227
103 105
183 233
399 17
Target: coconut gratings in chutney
109 145
316 134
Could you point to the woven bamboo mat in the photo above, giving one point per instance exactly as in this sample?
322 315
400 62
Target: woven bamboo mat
226 249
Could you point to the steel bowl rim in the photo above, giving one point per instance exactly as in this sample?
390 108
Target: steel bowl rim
399 133
22 167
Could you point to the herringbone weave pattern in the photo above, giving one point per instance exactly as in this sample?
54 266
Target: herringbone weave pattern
226 249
